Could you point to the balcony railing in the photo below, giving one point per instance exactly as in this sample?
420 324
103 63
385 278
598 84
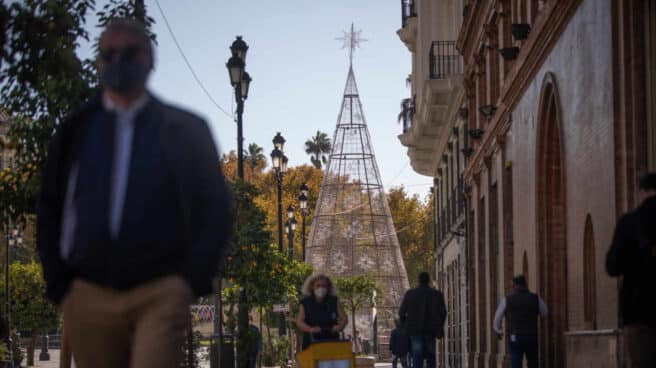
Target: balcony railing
444 60
407 11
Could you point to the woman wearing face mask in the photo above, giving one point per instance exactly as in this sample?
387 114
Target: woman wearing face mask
320 315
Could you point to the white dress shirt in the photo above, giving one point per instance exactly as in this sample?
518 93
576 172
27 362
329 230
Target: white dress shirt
501 311
123 133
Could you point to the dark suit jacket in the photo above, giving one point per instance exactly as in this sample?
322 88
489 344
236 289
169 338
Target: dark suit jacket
202 207
423 312
633 256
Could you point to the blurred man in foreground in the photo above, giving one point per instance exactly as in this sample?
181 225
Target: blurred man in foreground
133 216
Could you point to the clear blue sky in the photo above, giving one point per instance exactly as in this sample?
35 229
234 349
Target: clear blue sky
298 71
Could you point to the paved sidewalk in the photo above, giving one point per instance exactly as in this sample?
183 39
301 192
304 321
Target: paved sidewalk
52 363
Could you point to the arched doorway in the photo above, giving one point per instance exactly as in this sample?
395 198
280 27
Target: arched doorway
551 228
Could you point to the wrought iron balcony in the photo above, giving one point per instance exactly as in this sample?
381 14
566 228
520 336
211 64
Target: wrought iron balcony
408 10
444 60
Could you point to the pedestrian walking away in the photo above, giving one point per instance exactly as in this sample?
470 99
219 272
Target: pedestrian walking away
320 316
632 255
399 346
422 314
521 310
255 346
133 216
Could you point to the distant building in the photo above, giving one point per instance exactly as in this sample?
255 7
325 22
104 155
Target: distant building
558 103
435 132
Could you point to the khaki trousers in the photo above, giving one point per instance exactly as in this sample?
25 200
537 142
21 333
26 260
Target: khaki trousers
142 327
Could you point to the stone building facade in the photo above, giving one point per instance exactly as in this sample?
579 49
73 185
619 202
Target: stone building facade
560 99
435 132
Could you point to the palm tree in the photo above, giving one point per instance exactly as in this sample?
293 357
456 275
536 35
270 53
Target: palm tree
254 155
406 114
318 147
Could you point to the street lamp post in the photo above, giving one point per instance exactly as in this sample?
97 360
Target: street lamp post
279 162
291 227
303 203
240 81
13 238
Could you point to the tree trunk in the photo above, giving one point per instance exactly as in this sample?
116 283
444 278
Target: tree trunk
30 349
354 337
272 353
242 334
261 354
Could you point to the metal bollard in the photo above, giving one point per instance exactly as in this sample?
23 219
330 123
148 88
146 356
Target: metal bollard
44 355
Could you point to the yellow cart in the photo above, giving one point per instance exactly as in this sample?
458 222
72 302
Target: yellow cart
334 354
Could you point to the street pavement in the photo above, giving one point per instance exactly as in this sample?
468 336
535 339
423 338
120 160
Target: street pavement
54 361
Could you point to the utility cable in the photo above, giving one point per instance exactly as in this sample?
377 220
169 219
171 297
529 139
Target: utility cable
191 69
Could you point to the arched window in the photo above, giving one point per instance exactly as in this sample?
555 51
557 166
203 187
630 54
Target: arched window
551 257
589 277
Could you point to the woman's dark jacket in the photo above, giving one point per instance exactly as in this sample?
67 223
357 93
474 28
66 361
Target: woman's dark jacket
323 314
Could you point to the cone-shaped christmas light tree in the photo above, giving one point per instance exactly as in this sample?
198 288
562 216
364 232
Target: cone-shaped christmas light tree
352 232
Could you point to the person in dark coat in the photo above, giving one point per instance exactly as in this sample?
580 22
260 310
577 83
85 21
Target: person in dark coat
521 310
255 346
422 314
399 346
632 255
320 316
133 215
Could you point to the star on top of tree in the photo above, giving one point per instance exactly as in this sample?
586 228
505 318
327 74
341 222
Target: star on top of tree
351 40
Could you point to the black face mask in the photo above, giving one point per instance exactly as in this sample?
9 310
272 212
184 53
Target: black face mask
124 75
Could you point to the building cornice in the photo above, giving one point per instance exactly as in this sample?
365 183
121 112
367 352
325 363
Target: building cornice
546 31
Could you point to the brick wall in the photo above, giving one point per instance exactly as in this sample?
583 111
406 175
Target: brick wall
580 68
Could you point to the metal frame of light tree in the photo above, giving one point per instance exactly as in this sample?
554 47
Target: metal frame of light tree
352 231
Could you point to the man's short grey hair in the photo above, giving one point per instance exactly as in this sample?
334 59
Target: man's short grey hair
133 27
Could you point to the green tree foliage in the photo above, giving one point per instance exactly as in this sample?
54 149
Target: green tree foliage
355 293
318 147
413 220
30 309
42 79
135 9
254 264
266 196
292 181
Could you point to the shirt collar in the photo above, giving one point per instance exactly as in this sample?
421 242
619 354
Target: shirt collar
131 110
